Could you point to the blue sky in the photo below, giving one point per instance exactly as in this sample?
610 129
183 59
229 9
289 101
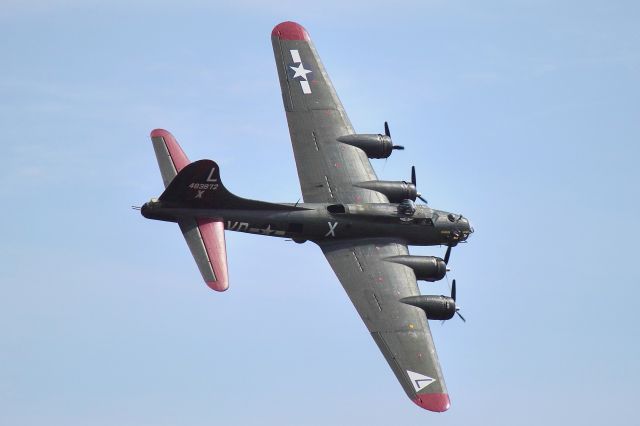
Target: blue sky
522 115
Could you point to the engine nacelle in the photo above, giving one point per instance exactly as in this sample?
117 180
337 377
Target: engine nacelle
426 268
375 146
436 307
396 191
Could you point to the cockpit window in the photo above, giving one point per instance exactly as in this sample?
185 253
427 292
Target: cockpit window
451 217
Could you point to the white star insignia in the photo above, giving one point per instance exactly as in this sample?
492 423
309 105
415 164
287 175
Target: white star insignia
267 230
300 71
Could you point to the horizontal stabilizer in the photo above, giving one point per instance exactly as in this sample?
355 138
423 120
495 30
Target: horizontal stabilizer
171 158
205 239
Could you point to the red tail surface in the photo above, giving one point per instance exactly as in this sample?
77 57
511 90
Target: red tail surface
205 238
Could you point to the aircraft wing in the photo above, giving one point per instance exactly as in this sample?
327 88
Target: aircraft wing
401 331
327 169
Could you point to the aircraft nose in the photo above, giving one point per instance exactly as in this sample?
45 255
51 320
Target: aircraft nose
467 229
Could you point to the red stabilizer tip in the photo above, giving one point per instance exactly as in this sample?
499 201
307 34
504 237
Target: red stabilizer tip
218 285
437 402
160 133
178 156
212 232
290 31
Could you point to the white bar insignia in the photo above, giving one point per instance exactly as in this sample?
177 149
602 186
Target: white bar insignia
300 71
306 89
295 56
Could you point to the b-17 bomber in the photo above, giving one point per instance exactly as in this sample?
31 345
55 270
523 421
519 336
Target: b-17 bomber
362 225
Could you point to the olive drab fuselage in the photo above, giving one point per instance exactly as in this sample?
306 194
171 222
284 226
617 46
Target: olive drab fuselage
318 222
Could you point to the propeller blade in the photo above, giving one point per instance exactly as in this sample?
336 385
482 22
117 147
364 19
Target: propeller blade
398 147
386 129
453 296
414 181
453 290
447 255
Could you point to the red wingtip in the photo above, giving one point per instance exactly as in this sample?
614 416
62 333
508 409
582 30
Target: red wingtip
437 402
290 31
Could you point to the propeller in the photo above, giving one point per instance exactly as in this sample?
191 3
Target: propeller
453 290
413 181
453 296
447 255
387 133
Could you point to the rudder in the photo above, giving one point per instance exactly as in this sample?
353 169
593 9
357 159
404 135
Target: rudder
198 185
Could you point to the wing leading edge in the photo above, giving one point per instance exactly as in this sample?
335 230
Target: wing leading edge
402 333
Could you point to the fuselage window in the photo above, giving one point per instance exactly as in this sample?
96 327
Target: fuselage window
336 208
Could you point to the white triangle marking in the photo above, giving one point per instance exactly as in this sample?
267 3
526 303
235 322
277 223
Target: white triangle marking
419 381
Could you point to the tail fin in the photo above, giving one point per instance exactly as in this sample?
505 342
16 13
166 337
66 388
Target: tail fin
198 185
205 237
